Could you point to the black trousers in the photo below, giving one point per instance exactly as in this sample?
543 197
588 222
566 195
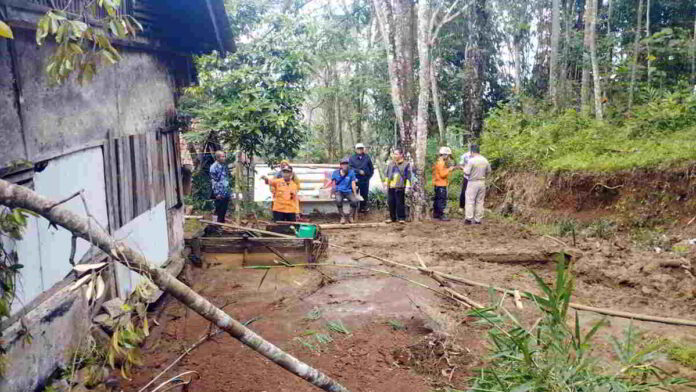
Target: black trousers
341 196
440 201
462 195
284 216
221 206
364 186
397 203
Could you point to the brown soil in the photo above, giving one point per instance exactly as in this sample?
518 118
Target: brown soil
440 345
642 198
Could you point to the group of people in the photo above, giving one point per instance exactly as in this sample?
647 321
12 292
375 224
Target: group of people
476 168
351 183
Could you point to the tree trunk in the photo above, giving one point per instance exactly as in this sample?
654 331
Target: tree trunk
339 124
517 62
593 57
636 48
647 34
400 69
424 84
586 61
396 25
476 61
330 115
555 41
436 102
15 196
693 57
566 53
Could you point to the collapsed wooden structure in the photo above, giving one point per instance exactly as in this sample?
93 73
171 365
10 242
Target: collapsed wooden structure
246 248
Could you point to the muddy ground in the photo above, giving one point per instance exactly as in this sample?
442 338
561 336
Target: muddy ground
391 345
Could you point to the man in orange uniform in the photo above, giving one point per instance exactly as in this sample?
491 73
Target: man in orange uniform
284 192
441 172
283 164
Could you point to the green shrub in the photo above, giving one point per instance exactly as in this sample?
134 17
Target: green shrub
553 356
660 132
377 200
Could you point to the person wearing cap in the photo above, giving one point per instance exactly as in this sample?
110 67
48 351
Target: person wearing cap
476 169
283 164
284 192
345 187
397 180
441 172
361 163
220 184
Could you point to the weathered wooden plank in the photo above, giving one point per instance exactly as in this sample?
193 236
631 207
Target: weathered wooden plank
176 150
166 173
150 170
125 180
157 164
137 183
254 242
109 181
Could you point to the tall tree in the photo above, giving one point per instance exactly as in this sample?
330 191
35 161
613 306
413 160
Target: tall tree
555 43
586 61
476 63
593 57
647 34
436 101
636 48
693 56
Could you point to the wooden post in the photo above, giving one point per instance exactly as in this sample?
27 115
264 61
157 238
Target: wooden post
308 250
238 187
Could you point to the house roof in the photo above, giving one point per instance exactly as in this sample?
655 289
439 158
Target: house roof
195 26
188 26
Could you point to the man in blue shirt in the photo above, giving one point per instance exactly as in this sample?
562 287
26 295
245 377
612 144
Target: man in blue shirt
345 187
219 178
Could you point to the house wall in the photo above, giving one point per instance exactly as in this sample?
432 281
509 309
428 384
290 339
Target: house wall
107 138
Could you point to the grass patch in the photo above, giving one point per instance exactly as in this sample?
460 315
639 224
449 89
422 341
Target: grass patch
683 353
396 325
555 355
314 314
337 326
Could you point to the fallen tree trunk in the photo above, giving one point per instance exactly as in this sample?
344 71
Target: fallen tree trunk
12 196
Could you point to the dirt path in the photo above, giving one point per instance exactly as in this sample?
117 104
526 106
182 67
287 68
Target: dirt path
378 354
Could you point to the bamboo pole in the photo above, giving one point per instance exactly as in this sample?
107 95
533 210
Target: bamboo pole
15 196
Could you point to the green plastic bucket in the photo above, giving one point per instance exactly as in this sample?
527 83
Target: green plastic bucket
307 231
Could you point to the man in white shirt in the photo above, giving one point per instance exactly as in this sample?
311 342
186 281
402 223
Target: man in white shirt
476 169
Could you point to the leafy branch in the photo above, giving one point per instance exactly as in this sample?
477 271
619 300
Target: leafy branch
83 46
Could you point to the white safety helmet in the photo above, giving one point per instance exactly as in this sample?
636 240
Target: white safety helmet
359 145
445 150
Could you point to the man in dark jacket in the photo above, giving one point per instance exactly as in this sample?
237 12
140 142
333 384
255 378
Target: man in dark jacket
362 164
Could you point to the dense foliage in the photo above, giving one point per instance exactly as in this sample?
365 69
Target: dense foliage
661 132
252 99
